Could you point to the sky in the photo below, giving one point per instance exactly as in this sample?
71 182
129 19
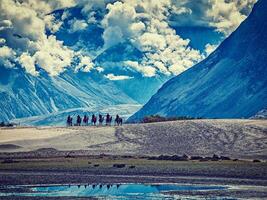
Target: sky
170 35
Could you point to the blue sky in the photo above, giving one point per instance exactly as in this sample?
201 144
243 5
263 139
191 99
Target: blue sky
161 38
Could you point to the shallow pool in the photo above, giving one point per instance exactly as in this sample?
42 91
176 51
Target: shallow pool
107 191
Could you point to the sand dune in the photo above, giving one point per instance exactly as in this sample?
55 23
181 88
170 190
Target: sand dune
234 138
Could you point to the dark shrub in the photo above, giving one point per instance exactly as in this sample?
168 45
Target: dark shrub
256 161
158 118
196 157
215 157
225 158
119 165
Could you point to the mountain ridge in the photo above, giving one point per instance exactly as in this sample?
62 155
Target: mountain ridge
229 83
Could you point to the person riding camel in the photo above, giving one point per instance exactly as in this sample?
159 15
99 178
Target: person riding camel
68 120
117 120
85 120
79 120
107 119
94 119
100 119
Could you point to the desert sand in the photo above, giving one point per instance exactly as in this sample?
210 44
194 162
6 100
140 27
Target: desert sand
245 139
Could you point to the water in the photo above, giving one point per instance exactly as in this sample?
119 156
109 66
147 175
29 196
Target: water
115 191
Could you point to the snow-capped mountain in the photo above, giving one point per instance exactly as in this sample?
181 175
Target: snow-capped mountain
59 118
24 95
230 83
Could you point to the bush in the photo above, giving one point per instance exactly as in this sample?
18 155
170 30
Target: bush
7 124
119 165
158 118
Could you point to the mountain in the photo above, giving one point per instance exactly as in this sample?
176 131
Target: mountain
262 114
58 118
139 88
23 95
230 83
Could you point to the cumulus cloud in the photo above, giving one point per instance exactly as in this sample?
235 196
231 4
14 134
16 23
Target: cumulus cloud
77 25
227 15
85 64
23 29
209 48
113 77
145 25
7 56
223 15
147 71
28 63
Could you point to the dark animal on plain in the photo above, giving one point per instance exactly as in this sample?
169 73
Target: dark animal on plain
108 119
94 119
118 120
85 120
100 119
69 121
79 120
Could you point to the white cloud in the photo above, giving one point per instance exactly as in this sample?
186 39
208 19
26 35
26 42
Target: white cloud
147 71
53 56
4 24
24 26
52 24
85 64
209 48
112 36
77 25
100 69
227 15
145 25
2 41
7 56
117 77
28 63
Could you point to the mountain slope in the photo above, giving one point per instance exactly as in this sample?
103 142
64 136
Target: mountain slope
139 88
230 83
23 95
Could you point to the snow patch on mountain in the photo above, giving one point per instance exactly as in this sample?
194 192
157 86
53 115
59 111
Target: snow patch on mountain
59 118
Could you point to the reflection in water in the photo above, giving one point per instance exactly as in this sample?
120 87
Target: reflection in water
109 191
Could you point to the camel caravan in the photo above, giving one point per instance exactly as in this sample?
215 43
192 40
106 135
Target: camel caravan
85 121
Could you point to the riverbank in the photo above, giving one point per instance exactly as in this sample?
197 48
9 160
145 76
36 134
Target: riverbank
246 178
